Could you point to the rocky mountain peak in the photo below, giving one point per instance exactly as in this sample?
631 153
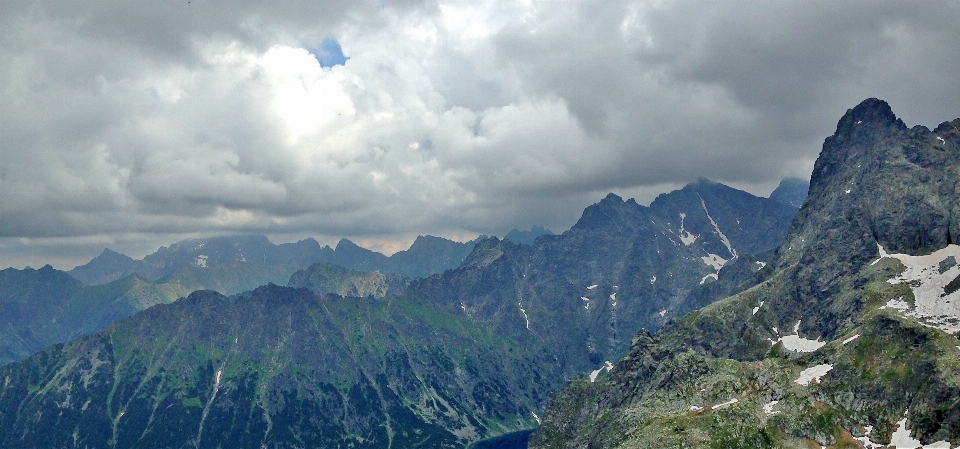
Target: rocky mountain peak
791 191
109 253
877 184
610 209
485 252
870 113
699 183
611 198
347 245
876 181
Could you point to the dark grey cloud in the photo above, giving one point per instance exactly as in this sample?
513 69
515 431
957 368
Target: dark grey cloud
134 124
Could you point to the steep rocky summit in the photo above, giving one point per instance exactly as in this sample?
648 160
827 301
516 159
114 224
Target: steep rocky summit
849 342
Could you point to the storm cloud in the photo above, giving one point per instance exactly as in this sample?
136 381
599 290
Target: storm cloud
135 124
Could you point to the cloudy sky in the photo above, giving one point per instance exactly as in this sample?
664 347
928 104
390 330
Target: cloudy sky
132 125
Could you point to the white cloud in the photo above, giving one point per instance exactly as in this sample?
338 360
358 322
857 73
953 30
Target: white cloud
449 117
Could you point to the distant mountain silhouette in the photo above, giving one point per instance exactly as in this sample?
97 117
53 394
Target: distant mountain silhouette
527 237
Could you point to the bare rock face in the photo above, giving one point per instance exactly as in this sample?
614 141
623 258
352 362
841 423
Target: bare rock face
876 182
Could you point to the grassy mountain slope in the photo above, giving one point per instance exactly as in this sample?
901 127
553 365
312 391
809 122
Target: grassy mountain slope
280 367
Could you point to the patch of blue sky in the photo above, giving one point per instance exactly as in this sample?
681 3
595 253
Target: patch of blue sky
329 53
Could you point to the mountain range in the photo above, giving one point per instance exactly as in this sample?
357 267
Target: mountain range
711 318
439 361
850 341
248 261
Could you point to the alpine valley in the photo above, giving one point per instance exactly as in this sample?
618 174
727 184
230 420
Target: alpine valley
710 318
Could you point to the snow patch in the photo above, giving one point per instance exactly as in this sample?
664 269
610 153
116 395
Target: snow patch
941 140
586 302
663 313
201 261
813 374
535 417
652 280
796 343
847 191
695 408
900 439
606 366
850 339
768 408
686 237
713 260
592 287
613 297
761 264
522 311
725 404
757 308
928 277
723 237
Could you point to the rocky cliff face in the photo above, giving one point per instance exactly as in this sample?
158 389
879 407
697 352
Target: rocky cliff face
844 344
583 294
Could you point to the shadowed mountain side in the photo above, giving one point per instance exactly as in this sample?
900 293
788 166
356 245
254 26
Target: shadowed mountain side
228 279
792 191
41 307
